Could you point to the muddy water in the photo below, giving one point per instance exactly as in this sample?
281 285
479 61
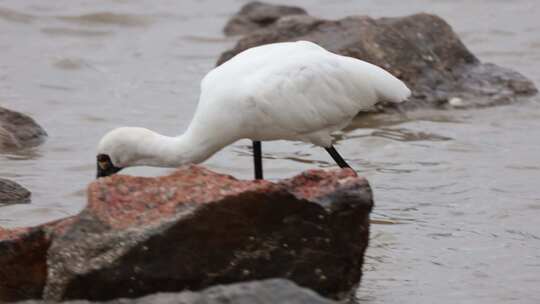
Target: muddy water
457 192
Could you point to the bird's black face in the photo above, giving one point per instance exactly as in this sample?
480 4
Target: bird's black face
105 166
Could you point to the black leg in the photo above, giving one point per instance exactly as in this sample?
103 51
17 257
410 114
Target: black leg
257 159
335 155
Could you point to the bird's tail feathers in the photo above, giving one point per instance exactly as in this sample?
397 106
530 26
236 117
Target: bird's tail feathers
388 87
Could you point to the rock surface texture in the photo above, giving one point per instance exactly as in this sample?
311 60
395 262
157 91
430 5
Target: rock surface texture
191 230
271 291
421 49
18 130
195 228
23 260
22 263
13 193
257 15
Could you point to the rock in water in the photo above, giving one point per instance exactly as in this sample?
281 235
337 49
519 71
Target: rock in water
421 49
13 193
257 15
18 130
195 228
259 292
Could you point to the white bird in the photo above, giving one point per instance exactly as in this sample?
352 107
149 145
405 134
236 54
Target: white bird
291 91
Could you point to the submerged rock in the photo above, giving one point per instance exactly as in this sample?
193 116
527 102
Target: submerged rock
257 15
421 49
18 130
196 228
257 292
13 193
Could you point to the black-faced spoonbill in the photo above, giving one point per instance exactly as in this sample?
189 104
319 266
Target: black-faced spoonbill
291 91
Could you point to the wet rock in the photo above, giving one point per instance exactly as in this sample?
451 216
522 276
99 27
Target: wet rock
196 228
23 260
22 263
18 130
421 49
257 292
13 193
257 15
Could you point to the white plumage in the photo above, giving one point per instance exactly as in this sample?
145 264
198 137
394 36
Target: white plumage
291 90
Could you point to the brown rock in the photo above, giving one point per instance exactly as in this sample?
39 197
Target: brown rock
13 193
18 130
257 15
420 49
196 228
23 265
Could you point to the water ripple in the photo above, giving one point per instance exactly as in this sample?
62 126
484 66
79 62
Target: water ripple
109 18
71 32
405 135
14 16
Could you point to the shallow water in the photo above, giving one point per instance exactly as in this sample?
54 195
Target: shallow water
457 199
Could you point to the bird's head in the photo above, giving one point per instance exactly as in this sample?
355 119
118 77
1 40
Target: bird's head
121 148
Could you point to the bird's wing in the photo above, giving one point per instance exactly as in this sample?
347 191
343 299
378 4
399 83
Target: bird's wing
305 95
284 90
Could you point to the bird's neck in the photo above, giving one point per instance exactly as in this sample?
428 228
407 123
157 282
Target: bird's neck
188 148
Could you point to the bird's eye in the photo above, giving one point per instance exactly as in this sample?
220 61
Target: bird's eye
103 165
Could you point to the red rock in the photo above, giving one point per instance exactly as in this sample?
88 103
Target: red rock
196 228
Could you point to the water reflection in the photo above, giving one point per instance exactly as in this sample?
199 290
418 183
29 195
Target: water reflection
15 16
402 134
72 32
22 154
109 18
56 87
